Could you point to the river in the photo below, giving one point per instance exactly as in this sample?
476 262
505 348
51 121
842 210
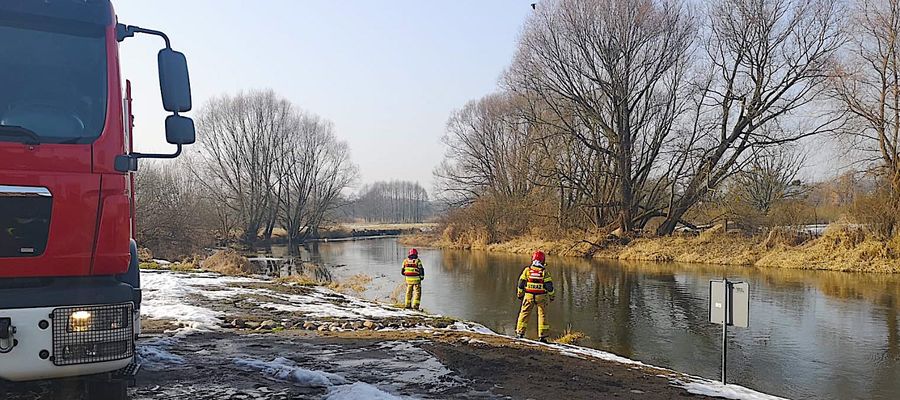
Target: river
812 334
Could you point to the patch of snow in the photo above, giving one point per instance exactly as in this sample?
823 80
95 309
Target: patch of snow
571 350
282 369
161 261
163 298
359 390
266 259
573 355
281 307
717 389
471 327
153 354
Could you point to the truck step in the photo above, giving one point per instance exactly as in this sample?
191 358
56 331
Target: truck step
128 373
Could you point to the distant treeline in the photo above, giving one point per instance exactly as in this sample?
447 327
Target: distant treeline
390 202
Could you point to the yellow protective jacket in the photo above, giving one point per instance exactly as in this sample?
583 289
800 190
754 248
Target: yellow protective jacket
535 280
413 270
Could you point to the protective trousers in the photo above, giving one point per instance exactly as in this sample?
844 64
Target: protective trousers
529 303
413 294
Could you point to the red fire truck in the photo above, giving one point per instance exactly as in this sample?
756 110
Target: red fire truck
69 284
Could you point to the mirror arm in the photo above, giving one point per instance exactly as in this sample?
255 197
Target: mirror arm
128 162
157 155
126 31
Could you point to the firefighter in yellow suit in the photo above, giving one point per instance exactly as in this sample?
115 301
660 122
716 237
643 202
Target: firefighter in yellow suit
414 273
535 289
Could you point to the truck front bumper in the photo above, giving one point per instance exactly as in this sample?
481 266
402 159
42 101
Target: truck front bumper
66 341
66 326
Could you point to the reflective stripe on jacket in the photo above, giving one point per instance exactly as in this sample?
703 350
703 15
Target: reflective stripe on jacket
412 268
535 280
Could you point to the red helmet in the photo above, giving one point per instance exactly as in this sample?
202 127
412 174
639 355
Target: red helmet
413 252
538 256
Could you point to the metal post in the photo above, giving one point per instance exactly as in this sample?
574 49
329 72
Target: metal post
725 321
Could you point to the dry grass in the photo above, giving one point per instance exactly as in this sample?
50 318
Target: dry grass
183 266
713 247
841 248
144 254
354 285
228 262
571 337
149 265
398 295
573 245
300 280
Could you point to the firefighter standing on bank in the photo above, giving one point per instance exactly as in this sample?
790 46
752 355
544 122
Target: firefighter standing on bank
535 289
414 273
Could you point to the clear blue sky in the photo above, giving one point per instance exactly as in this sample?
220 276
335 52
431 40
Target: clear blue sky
387 73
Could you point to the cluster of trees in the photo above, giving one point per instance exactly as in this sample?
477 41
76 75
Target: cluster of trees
267 164
623 113
261 164
174 218
391 202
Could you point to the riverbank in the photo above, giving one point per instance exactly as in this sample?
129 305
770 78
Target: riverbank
270 340
841 248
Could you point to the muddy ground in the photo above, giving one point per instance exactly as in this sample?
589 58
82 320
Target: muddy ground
438 365
416 356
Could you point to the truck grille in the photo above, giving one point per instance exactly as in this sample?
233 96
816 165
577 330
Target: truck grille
92 334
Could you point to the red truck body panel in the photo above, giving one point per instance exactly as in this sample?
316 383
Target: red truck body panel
90 223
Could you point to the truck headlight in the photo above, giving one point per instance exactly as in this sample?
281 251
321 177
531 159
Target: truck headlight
80 321
94 333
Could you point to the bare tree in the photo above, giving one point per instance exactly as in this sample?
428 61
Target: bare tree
241 140
313 170
867 83
265 162
488 152
606 72
772 176
766 62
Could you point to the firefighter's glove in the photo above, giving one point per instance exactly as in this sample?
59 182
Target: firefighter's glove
520 295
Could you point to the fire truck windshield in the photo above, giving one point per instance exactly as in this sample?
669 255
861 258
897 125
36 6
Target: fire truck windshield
52 82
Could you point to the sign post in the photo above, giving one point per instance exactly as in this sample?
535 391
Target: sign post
729 304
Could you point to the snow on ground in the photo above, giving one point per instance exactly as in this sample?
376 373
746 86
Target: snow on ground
165 294
465 326
717 389
359 390
154 355
282 369
164 297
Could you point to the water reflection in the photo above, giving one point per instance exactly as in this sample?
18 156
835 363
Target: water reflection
812 334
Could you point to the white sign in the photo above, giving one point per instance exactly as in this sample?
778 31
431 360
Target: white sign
737 300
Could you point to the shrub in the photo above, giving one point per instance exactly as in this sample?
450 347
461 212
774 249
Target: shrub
878 212
571 337
228 262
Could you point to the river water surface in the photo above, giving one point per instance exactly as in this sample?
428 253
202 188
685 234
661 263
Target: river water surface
812 335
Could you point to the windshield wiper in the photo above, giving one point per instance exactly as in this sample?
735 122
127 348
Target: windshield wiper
28 135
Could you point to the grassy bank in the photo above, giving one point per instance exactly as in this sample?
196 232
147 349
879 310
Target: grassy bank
840 248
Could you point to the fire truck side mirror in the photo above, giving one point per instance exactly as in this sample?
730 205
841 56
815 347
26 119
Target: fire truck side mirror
179 130
174 82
